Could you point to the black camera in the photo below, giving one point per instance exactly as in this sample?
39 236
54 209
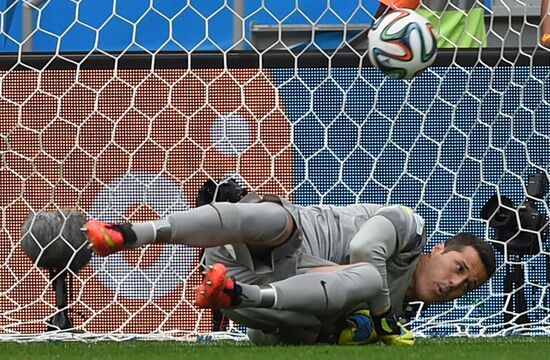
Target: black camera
227 189
503 217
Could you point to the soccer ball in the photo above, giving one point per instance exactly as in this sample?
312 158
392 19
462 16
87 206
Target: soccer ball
402 44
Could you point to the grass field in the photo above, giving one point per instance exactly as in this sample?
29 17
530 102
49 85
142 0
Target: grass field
516 348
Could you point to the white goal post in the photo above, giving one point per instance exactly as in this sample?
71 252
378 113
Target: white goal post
130 131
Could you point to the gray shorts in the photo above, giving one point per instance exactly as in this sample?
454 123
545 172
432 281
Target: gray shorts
263 266
256 267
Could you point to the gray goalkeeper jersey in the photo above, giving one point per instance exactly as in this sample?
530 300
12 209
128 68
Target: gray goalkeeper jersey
327 232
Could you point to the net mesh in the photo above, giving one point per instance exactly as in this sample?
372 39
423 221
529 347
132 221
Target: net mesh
136 144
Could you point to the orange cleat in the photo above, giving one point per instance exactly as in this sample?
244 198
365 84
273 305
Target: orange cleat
216 288
104 239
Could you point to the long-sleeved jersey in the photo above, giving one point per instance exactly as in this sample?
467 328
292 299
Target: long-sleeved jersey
328 231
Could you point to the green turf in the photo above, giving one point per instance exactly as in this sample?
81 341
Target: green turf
516 348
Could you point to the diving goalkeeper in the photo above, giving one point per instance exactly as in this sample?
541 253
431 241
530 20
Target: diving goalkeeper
294 273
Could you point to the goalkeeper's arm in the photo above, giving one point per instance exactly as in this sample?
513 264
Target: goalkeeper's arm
375 243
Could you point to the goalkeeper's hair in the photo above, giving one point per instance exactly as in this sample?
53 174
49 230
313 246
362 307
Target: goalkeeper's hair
484 250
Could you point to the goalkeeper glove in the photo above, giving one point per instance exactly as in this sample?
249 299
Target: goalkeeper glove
359 329
390 331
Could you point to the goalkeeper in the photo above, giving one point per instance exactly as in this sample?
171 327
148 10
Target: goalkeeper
293 274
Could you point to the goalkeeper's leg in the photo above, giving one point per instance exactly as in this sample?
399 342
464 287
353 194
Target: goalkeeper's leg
263 224
317 293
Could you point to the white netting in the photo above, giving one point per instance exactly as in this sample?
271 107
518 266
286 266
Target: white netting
133 144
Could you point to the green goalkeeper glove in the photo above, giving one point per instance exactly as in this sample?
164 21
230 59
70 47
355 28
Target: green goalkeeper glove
359 329
390 331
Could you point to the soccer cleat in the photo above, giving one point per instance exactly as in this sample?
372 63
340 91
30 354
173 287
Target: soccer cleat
216 290
104 239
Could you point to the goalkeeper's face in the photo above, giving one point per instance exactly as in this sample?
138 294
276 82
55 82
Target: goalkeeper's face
444 276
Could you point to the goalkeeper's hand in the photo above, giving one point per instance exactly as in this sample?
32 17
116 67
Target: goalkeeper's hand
390 331
359 329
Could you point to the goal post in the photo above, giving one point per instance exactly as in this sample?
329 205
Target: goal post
132 135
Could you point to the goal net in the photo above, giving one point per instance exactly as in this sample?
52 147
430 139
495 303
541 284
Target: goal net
121 110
